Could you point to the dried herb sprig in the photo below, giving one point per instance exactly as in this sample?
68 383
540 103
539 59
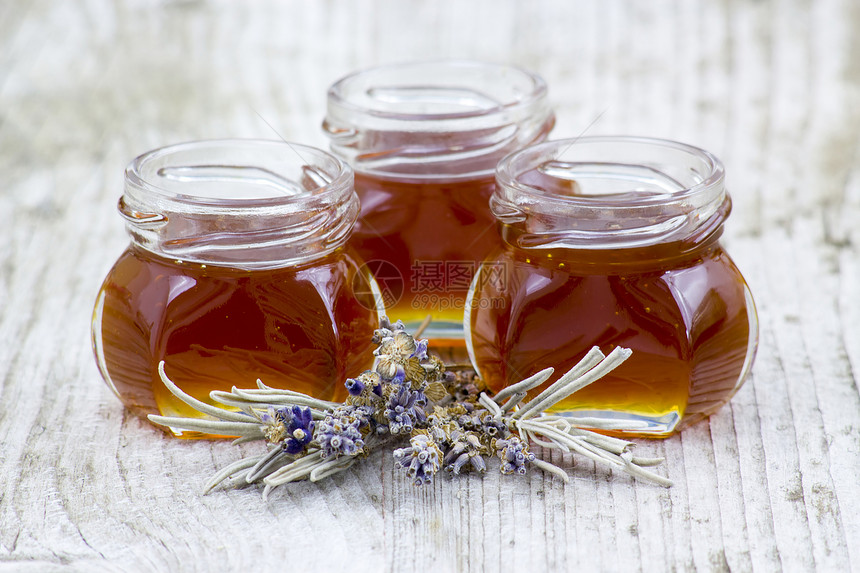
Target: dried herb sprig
450 423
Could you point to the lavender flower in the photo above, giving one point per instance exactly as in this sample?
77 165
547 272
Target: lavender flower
441 426
420 351
300 430
405 409
400 358
393 398
365 389
363 414
514 454
466 448
340 432
470 421
274 427
493 428
354 386
421 460
394 351
399 375
293 427
386 329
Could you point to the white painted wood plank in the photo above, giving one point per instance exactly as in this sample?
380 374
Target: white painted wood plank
767 484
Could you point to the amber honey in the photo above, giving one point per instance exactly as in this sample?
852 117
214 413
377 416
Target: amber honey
238 270
685 317
299 328
432 235
614 241
424 139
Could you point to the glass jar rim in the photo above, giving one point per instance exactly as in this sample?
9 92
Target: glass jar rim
139 180
338 92
240 203
507 169
651 191
435 120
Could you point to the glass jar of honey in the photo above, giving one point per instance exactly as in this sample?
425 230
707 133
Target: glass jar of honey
424 140
614 241
238 269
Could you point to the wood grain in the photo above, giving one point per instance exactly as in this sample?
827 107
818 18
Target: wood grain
768 483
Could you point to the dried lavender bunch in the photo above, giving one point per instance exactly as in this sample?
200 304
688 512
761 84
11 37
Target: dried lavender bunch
450 423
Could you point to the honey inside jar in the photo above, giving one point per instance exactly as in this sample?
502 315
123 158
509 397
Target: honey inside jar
609 253
298 328
426 240
685 317
238 270
424 139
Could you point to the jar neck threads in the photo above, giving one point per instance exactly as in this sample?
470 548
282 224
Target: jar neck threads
435 120
248 204
610 193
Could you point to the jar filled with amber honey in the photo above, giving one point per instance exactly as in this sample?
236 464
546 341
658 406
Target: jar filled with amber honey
615 241
424 140
238 269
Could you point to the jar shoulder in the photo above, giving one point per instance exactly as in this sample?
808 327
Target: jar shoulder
152 288
693 296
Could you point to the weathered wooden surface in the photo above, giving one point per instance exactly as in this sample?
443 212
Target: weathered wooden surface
769 483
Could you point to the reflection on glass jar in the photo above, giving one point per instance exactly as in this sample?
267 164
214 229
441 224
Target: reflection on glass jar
614 241
236 270
424 140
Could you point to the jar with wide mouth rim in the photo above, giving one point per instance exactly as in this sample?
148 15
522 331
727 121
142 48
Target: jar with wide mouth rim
238 270
438 119
251 204
652 191
614 241
424 139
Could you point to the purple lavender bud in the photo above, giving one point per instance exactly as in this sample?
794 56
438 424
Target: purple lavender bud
461 460
514 455
354 387
479 464
339 434
421 459
420 351
399 375
405 408
299 426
